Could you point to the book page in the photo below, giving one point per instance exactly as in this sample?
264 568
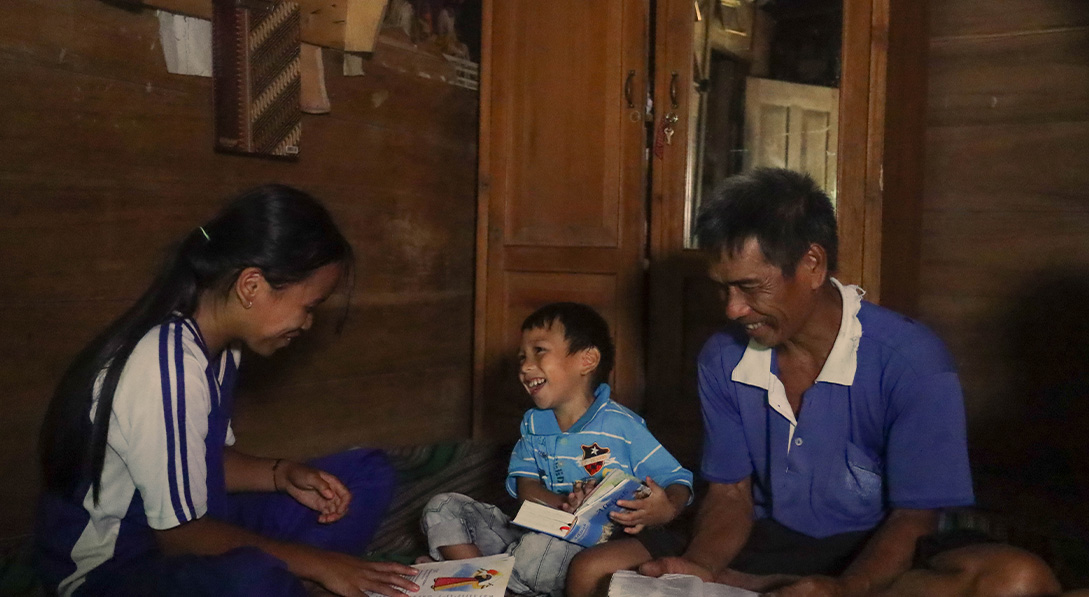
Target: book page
714 589
544 519
590 524
615 481
476 577
627 583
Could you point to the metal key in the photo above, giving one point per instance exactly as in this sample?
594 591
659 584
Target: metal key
670 119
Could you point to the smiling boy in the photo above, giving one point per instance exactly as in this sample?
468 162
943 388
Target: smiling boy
568 442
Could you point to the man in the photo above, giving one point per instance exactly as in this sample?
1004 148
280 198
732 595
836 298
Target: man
834 428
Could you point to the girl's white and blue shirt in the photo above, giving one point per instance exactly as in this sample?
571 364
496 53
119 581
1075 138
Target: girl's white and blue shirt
607 436
163 465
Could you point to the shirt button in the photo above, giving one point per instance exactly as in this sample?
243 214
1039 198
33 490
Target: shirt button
563 441
798 441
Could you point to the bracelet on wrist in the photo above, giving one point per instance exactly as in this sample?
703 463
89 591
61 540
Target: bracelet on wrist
275 466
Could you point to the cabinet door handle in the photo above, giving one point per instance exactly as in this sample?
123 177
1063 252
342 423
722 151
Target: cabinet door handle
627 88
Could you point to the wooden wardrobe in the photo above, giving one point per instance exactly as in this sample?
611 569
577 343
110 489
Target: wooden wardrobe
581 199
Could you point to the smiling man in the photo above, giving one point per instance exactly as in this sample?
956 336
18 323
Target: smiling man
834 428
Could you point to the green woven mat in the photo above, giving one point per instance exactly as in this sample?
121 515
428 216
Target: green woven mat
476 469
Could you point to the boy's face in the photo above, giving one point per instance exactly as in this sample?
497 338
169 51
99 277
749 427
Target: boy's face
550 374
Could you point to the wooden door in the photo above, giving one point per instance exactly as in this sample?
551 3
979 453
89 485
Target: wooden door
562 185
792 126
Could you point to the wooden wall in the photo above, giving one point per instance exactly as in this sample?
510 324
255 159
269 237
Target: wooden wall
107 158
1005 247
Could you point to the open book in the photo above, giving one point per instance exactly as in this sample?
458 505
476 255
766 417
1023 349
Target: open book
627 583
476 577
590 523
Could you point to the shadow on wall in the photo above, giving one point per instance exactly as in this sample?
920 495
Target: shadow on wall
1039 443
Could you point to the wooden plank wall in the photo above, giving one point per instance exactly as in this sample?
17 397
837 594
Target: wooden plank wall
1005 247
107 157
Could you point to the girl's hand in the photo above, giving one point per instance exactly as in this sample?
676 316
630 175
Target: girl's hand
315 489
578 494
351 577
654 509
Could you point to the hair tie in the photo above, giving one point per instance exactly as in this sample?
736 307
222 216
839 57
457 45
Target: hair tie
205 233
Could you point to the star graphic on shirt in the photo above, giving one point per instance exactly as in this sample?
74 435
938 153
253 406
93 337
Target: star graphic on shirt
594 458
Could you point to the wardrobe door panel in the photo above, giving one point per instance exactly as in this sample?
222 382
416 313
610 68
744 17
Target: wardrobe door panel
562 184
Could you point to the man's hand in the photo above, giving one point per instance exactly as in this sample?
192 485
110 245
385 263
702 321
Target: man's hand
315 489
812 586
674 566
654 509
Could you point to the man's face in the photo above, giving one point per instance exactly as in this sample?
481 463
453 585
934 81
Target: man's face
770 306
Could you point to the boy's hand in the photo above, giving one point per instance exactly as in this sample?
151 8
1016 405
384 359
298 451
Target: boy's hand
578 494
651 510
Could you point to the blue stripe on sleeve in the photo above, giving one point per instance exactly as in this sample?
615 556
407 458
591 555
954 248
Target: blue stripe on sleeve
164 374
196 334
179 366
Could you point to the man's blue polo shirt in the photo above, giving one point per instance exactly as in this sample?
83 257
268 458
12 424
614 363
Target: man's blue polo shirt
882 427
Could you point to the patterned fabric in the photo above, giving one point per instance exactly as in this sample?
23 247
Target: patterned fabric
475 469
257 85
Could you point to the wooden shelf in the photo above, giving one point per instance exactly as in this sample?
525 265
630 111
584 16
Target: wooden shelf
349 25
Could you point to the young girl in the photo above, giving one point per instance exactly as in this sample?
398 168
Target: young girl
140 473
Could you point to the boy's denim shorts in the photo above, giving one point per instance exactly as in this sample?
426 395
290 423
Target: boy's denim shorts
540 561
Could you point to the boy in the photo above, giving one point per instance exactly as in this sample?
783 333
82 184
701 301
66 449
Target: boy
573 436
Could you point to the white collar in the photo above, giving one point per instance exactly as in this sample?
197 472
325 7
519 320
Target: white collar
754 368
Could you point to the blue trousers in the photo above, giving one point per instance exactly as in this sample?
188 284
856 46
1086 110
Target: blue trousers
248 571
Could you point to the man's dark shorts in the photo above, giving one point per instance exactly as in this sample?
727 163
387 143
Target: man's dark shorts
776 549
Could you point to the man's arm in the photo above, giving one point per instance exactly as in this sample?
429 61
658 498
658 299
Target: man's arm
887 555
889 552
722 528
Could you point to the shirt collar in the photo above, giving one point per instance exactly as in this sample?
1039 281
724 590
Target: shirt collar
601 396
544 422
754 368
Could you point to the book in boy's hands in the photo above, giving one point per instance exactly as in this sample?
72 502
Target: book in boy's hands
628 583
589 524
475 577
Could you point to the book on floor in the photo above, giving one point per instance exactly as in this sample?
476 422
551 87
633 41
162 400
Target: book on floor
475 577
627 583
589 524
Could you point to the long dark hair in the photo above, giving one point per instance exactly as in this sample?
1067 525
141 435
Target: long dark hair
282 231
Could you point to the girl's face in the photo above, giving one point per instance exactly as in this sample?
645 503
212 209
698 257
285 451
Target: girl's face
278 315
